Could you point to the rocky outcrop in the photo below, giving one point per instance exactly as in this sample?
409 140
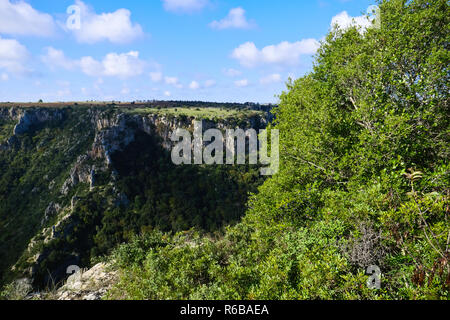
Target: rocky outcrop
81 172
52 210
92 284
112 135
30 118
26 120
117 132
13 113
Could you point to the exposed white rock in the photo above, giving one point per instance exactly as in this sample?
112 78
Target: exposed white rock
52 210
92 284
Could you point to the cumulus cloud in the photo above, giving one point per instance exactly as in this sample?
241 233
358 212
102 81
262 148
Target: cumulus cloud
284 53
234 20
91 67
20 18
115 27
13 56
344 21
184 6
4 77
167 93
56 59
273 78
124 65
241 83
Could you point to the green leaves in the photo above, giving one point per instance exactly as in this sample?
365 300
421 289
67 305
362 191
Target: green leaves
375 105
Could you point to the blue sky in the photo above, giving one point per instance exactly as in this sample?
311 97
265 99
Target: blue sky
211 50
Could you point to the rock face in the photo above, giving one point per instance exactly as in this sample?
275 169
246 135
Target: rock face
52 210
115 132
92 284
13 113
30 118
81 172
27 119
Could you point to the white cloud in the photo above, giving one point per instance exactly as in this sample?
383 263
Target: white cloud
273 78
173 81
344 21
125 91
115 27
13 56
284 53
124 65
56 59
91 67
232 72
4 77
234 20
167 93
156 76
188 6
194 85
19 18
241 83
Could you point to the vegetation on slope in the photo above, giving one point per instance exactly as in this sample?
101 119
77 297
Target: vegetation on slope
32 173
364 180
154 194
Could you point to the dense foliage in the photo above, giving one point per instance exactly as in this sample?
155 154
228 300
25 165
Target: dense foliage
364 181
